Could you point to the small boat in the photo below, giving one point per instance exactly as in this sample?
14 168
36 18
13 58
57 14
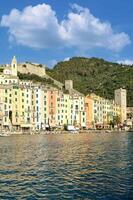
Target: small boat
4 134
108 131
75 131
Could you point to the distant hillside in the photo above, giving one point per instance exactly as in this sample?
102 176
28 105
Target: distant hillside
95 75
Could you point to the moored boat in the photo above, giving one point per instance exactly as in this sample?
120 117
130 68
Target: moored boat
4 134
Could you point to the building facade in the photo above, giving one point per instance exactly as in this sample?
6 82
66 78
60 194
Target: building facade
121 100
25 105
100 112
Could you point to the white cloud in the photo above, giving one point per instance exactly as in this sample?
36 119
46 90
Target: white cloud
125 62
85 31
52 63
39 27
67 59
34 27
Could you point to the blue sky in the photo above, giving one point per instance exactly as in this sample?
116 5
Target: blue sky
54 30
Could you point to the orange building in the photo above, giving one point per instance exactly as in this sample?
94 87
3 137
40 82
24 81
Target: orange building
52 109
89 105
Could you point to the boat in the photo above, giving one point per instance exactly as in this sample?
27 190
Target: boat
108 131
4 134
72 129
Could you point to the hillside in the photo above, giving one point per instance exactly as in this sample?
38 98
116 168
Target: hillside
95 75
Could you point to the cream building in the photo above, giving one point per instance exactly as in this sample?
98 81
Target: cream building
121 100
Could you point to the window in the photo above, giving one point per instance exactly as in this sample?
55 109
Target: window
28 108
5 99
76 107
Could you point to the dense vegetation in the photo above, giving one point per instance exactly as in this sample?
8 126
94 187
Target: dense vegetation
95 75
35 78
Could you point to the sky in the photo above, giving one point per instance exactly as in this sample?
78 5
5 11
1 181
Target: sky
49 31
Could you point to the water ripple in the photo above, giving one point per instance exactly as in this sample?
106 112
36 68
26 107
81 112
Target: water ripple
84 166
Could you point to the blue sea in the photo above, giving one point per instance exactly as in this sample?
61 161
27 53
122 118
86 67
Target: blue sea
67 166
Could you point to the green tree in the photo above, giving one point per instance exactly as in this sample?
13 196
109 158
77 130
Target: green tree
95 75
116 120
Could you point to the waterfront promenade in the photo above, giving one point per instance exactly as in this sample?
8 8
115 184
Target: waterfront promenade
58 132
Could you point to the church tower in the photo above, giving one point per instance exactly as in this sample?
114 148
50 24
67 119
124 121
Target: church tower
14 66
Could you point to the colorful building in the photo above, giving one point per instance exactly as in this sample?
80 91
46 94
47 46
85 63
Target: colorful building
100 112
25 105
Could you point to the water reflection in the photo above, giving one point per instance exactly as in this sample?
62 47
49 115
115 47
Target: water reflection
87 166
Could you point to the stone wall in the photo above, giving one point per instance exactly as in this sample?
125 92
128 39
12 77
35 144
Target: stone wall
31 68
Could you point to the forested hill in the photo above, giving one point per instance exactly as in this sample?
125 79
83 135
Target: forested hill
95 75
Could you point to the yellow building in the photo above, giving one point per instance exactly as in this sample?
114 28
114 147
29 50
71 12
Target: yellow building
99 111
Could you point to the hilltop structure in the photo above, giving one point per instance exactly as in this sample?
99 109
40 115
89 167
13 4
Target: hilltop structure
11 70
31 68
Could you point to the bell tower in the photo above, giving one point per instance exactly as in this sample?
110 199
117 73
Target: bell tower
14 66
